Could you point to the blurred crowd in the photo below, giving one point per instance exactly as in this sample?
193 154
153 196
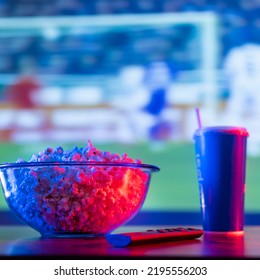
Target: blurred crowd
85 54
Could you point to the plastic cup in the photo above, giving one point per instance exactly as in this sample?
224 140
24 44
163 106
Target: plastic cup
221 167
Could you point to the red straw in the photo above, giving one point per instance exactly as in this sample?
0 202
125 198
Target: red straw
198 117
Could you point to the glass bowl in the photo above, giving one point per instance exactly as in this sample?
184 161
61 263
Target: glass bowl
75 198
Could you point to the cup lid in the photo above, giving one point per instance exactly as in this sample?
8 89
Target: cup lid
222 129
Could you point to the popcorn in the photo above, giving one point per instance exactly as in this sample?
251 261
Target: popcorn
84 198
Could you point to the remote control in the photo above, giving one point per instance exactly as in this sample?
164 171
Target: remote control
153 236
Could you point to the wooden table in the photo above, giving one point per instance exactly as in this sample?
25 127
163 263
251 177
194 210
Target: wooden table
23 242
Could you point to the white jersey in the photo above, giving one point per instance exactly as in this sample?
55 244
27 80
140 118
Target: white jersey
242 69
243 63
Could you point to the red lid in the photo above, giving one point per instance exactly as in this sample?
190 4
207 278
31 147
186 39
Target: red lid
222 129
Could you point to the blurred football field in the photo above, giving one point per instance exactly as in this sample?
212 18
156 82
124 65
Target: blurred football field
174 188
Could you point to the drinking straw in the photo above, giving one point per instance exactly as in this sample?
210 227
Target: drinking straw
198 117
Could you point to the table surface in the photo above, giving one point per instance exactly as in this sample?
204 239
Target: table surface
21 241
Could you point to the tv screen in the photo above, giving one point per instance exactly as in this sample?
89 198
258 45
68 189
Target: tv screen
130 83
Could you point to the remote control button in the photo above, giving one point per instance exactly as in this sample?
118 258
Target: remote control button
179 229
150 230
170 229
162 230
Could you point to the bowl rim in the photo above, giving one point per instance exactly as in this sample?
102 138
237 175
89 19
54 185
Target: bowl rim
150 167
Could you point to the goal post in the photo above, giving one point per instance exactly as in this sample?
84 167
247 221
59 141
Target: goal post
206 24
195 86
